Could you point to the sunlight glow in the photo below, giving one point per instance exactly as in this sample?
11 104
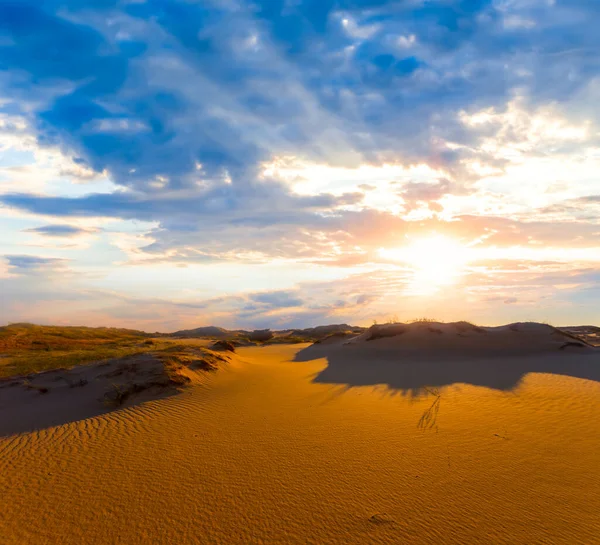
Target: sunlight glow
439 260
436 261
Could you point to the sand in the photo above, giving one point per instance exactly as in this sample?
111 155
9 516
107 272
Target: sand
266 452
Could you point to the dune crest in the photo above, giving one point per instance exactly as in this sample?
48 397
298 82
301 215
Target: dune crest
416 356
463 339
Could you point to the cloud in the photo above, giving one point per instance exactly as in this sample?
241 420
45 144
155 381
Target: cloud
29 264
559 293
59 231
165 87
278 299
182 104
586 208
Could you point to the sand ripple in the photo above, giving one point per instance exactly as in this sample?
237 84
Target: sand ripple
261 454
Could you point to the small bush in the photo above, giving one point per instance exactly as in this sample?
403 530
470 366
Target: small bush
261 335
223 345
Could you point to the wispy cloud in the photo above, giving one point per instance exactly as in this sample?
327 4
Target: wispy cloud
29 264
59 231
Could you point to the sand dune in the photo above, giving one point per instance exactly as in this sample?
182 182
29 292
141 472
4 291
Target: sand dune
410 357
272 450
56 397
461 339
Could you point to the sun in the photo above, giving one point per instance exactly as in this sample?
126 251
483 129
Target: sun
435 261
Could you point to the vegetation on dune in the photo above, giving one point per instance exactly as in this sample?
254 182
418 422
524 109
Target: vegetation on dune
178 356
394 328
287 339
223 345
27 348
37 337
336 335
177 360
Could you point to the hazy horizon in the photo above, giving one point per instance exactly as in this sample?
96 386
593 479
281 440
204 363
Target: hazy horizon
271 164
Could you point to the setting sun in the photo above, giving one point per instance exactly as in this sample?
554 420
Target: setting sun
436 261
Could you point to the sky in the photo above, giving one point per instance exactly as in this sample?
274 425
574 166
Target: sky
168 164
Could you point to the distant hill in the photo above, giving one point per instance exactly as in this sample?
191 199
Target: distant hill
322 331
206 331
285 335
23 335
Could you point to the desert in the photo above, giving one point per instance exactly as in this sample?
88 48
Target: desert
421 432
299 272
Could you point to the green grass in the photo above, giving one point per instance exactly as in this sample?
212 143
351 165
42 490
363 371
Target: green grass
27 348
291 339
24 363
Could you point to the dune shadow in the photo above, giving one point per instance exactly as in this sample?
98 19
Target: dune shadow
62 396
52 409
413 372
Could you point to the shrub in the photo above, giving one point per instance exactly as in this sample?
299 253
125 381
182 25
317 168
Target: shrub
261 335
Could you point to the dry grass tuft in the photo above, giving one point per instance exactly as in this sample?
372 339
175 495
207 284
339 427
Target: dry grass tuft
180 356
223 345
426 321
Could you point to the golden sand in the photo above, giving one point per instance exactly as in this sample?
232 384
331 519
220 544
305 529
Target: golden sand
261 454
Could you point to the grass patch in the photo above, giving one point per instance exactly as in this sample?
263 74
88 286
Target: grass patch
425 321
223 345
27 348
36 337
291 339
179 356
25 362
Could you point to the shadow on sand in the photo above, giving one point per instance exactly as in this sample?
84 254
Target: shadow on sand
411 372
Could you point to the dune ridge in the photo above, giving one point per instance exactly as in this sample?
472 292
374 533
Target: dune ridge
463 339
412 356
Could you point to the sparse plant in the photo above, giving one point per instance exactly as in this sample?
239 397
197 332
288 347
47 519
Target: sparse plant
425 321
429 418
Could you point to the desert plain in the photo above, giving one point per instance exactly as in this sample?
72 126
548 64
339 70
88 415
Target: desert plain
401 433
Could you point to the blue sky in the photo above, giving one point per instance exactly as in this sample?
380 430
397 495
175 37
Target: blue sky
168 164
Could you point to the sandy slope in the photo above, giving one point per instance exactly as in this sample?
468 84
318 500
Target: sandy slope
261 453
